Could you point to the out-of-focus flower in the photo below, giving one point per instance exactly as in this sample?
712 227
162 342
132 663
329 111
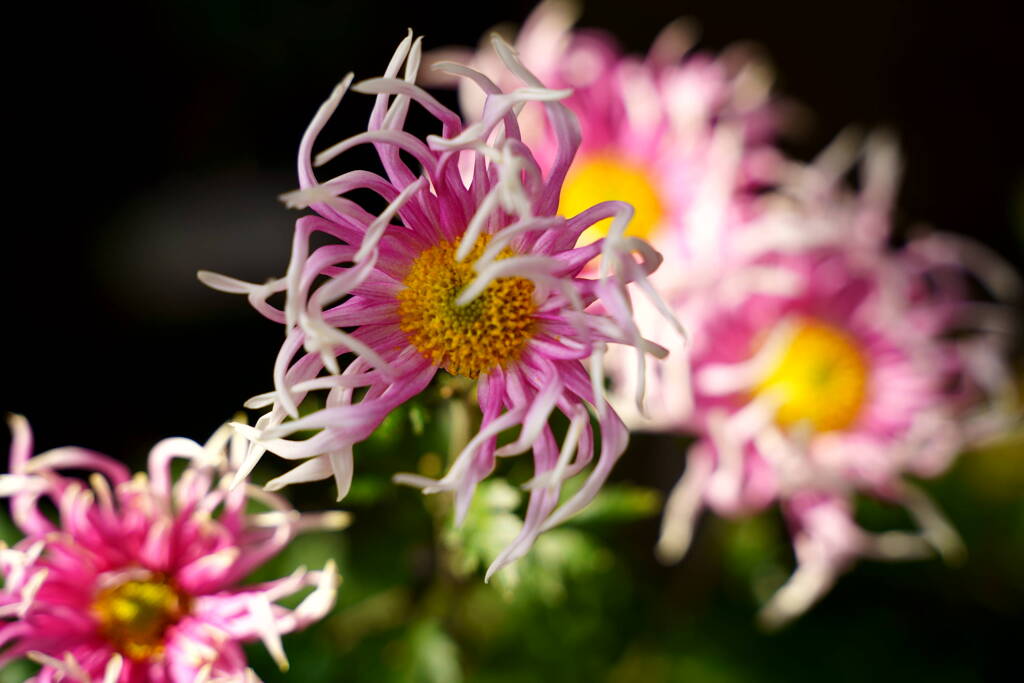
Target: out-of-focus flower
825 364
476 275
685 137
138 579
670 132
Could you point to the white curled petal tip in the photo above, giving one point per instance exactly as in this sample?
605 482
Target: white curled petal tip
224 283
302 198
28 592
218 561
21 434
67 668
332 520
936 530
554 477
418 481
535 94
249 462
253 450
331 103
113 671
11 484
450 67
681 511
674 41
342 86
274 518
266 627
261 401
805 587
321 600
378 86
312 469
247 432
510 57
500 563
898 545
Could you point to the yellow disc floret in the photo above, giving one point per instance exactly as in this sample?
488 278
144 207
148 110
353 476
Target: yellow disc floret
134 615
603 177
489 331
821 378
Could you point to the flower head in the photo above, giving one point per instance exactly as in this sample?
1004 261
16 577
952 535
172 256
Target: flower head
826 364
669 132
139 578
469 269
685 137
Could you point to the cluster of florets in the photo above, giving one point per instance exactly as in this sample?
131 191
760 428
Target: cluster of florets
854 370
820 363
472 270
140 578
515 250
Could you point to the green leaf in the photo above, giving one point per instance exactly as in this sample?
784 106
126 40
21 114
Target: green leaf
429 655
17 671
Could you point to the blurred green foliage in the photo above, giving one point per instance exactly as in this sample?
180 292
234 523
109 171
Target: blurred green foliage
589 603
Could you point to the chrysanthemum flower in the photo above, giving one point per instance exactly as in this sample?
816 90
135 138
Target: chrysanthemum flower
139 578
685 137
857 366
476 275
668 132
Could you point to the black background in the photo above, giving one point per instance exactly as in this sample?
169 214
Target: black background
151 140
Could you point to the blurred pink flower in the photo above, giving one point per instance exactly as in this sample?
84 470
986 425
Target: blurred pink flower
669 132
825 364
826 539
468 269
685 137
139 577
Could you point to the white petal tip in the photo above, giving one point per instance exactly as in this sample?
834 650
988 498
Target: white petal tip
223 283
337 520
669 555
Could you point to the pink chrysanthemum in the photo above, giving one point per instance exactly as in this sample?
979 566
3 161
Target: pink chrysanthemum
669 132
685 137
474 274
826 364
138 579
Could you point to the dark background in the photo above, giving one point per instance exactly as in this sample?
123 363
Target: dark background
150 140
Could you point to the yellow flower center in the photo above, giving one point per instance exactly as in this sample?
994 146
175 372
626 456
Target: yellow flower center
821 378
134 615
604 177
489 331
